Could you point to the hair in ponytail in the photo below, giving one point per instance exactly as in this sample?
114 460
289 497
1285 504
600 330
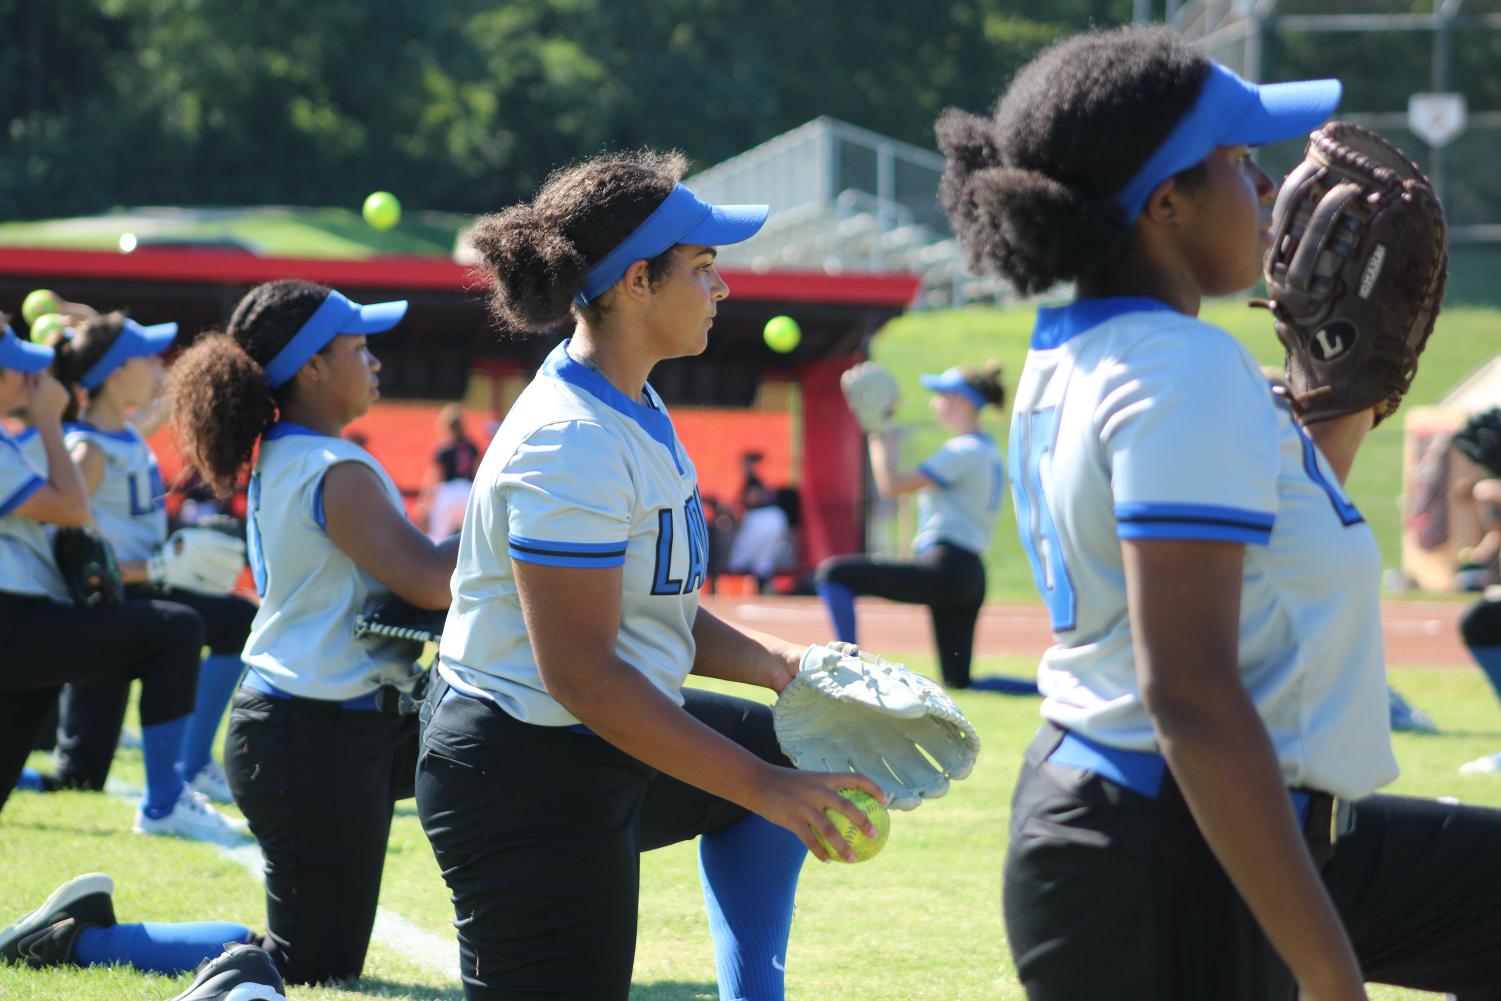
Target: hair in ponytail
78 348
987 381
537 253
1029 191
220 399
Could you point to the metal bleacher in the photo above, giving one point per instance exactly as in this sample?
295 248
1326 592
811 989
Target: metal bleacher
847 200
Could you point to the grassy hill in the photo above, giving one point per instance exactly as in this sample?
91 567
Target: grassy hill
930 342
275 231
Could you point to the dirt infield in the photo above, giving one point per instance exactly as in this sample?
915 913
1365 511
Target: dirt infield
1417 634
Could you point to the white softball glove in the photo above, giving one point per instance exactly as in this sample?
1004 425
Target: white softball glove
871 393
197 559
848 710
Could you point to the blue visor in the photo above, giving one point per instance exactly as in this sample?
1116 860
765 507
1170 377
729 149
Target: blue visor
23 356
135 341
953 381
681 218
337 315
1230 112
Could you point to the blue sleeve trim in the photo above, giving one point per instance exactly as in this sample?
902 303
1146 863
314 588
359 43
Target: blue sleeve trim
319 515
567 548
555 560
927 471
20 495
1197 530
1211 514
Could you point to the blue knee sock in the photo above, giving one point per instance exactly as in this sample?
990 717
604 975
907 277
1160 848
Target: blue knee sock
157 947
1489 659
840 602
160 744
217 678
749 872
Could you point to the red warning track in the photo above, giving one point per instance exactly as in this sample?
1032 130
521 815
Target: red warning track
1416 634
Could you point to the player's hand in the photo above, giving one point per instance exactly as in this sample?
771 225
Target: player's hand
46 398
788 662
797 801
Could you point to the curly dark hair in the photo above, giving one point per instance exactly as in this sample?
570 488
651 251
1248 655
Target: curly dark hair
1029 192
986 381
78 347
220 399
537 253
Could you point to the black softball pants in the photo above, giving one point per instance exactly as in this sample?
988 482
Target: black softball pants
45 645
1110 894
949 579
318 784
539 831
90 715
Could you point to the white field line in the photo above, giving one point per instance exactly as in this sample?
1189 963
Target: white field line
392 931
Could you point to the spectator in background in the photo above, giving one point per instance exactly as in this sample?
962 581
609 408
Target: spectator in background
721 522
1473 485
445 487
762 534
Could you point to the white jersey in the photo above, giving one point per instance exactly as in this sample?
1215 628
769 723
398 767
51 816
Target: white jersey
130 504
27 565
302 640
1133 421
962 506
578 475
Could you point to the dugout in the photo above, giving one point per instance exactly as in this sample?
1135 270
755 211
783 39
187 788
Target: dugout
738 396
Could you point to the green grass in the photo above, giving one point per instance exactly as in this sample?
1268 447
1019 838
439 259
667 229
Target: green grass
921 921
272 230
930 342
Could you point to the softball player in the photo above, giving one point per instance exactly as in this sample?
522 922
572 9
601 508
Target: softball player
559 741
1195 818
50 642
317 752
959 489
116 364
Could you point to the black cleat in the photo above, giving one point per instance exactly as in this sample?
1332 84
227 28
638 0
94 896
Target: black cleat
53 945
240 973
85 900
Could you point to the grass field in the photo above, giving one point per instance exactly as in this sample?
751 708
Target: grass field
929 342
921 921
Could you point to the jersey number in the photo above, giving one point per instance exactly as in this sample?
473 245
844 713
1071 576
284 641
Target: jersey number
1032 437
253 534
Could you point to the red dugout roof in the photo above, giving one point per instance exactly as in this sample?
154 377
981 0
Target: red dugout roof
218 267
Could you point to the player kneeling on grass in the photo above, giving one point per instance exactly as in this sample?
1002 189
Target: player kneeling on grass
50 641
1195 819
114 364
959 489
321 742
559 740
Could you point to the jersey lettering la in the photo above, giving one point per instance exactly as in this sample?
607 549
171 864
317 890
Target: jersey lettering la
579 476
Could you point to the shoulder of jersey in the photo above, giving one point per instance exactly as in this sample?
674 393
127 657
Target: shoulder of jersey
1194 344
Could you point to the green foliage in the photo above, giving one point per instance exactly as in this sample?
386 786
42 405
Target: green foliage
919 923
930 342
463 105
